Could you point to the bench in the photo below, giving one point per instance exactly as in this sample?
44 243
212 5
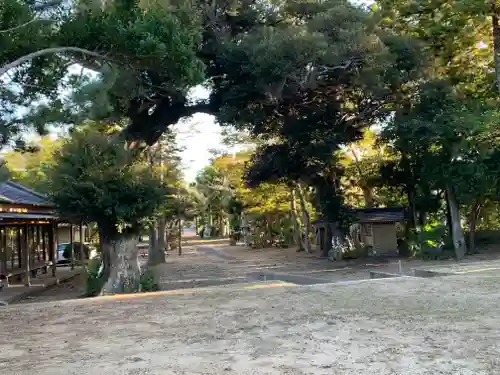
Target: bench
35 270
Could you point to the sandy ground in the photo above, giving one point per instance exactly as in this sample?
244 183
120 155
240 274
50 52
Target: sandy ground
400 326
213 262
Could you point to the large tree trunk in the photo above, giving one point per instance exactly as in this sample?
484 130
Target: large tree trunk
122 264
473 216
495 16
457 234
296 224
306 218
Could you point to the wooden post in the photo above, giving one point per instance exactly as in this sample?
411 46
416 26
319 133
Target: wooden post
26 256
53 246
72 250
180 236
3 264
20 261
36 234
44 249
83 257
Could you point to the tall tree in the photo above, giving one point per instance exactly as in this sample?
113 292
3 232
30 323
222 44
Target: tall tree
94 180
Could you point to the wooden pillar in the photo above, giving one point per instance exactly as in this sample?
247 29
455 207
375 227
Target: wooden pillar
20 261
38 247
53 246
4 279
44 249
72 246
83 257
26 256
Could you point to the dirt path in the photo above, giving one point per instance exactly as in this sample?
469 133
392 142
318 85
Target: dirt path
405 327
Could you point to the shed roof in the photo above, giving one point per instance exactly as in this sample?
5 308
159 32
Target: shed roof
10 192
379 215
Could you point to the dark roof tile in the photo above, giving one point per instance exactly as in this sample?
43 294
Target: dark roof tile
11 192
379 215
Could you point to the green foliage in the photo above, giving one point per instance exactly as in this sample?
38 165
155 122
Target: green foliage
29 167
95 180
428 242
148 283
5 173
136 50
94 283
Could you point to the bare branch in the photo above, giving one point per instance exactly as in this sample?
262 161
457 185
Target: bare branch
47 51
21 26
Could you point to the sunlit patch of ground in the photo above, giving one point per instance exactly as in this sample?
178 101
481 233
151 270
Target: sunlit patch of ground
412 326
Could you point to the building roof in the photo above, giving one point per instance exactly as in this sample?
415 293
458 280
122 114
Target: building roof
379 215
13 193
40 216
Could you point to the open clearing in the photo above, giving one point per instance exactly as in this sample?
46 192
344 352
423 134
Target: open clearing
401 326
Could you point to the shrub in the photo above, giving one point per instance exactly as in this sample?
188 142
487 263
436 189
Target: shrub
94 283
428 243
148 283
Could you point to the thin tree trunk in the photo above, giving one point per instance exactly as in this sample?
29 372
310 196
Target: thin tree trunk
473 216
124 271
367 191
495 16
153 245
161 243
457 234
306 218
422 218
295 219
412 214
368 196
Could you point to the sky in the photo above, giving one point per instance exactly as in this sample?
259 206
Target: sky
198 135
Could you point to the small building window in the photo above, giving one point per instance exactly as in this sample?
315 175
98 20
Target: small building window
368 230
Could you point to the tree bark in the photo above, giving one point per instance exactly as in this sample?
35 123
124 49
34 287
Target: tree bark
457 234
161 244
153 245
296 224
495 16
124 271
47 51
306 218
367 191
473 216
412 209
368 196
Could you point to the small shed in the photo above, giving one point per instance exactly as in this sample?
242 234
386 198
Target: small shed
378 228
375 227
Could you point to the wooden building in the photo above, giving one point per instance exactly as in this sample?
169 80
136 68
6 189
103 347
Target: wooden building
28 243
378 228
372 227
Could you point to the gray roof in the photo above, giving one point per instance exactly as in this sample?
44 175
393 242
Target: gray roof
379 215
41 216
10 192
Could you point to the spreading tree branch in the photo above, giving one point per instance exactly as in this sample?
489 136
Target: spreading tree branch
47 51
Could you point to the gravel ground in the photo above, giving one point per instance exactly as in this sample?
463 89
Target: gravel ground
401 326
